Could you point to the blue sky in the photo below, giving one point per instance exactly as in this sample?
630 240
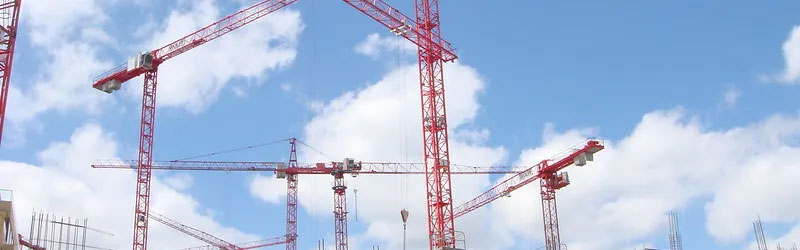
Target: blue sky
532 76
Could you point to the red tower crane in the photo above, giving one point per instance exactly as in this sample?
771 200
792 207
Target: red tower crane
337 169
210 239
433 51
147 64
547 172
9 21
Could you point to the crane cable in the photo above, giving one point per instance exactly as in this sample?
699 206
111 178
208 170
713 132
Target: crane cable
313 19
233 150
314 149
401 48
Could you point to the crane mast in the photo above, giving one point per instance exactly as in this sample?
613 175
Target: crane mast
434 131
291 199
340 211
9 21
433 51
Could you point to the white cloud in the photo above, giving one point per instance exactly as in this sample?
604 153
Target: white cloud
69 33
180 181
51 21
193 80
63 184
66 33
791 53
62 86
731 96
786 241
667 162
266 188
375 45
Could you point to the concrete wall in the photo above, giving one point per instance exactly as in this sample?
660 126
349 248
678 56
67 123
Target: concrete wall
8 232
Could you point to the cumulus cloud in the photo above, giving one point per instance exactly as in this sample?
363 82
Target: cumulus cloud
786 241
62 86
62 183
50 21
667 162
376 45
381 123
791 53
180 182
268 190
65 34
70 33
194 80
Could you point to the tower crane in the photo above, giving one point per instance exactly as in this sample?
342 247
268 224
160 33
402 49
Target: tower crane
210 239
321 168
547 172
147 64
433 52
291 171
336 169
9 21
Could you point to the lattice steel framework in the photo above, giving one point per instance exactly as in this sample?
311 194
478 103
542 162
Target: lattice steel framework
552 235
9 21
340 211
436 149
143 173
291 200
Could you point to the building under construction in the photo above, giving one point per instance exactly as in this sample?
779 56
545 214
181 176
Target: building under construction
10 240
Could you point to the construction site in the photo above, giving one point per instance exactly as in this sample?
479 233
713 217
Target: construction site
467 198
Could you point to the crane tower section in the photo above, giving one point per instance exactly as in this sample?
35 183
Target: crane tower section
9 21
